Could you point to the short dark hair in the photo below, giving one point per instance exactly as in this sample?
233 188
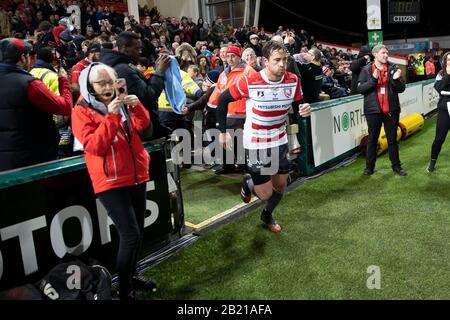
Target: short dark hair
126 38
272 46
94 47
45 54
107 45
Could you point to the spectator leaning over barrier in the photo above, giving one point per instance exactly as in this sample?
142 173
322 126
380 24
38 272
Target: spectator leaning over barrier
442 85
27 132
269 95
107 126
311 70
364 57
380 83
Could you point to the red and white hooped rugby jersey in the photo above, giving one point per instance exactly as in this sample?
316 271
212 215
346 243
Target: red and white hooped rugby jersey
267 106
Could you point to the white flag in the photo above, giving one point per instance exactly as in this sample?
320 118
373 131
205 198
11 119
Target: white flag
373 15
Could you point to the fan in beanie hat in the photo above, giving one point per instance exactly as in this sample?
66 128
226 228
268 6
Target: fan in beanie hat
212 76
234 50
11 49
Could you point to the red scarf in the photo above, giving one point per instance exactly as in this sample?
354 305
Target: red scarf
383 87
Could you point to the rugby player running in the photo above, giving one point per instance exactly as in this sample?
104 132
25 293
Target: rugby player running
269 95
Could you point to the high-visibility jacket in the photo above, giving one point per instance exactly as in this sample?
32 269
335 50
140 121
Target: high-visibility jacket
420 68
430 69
48 77
226 79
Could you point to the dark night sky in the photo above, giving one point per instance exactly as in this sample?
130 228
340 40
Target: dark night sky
351 16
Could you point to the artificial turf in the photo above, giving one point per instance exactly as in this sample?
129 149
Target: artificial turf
334 228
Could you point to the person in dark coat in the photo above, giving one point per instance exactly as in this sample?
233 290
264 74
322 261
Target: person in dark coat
311 72
147 90
380 82
364 57
27 132
442 86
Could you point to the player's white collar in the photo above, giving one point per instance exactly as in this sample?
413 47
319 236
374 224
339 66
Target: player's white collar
266 79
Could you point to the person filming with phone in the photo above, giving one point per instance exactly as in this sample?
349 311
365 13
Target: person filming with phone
106 122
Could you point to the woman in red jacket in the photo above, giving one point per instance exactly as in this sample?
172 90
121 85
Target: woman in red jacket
107 127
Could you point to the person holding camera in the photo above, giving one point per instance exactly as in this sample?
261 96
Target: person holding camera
106 123
28 133
380 82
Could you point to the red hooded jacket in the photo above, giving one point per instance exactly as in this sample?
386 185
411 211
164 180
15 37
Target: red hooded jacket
113 158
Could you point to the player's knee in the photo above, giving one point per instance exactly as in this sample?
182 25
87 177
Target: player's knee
265 194
280 188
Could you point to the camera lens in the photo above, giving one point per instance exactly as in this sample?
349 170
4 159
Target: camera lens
121 90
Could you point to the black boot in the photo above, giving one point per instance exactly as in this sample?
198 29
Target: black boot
368 171
399 171
431 165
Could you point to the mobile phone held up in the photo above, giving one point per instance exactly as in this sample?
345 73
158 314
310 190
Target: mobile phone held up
121 88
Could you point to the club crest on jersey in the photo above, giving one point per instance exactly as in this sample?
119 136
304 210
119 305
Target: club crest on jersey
287 92
275 92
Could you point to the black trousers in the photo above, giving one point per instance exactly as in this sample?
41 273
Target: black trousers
126 207
374 123
442 128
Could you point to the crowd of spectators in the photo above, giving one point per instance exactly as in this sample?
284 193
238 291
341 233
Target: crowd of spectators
72 34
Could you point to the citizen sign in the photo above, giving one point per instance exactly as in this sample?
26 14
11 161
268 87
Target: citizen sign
405 19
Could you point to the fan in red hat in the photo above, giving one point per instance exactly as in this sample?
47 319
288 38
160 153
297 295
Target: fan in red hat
234 50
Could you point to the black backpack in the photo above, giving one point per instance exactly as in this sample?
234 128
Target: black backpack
75 280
